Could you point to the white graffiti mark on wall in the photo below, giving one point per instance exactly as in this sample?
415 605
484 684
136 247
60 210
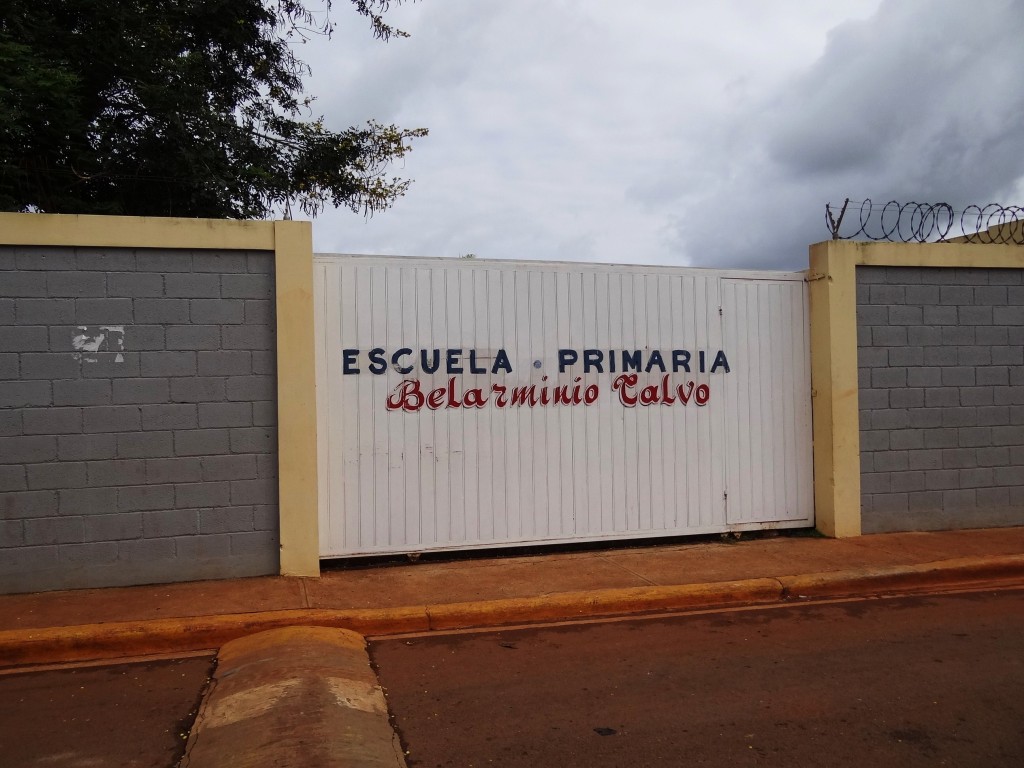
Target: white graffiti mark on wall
90 340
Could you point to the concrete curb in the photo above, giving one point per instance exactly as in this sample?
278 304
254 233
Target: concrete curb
119 639
298 696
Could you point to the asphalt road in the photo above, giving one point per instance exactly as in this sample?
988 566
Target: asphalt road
127 715
923 681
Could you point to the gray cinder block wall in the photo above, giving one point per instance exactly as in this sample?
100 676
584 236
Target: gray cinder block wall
137 417
941 374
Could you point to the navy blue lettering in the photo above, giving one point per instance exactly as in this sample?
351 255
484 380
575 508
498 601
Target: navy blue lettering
720 362
349 358
631 360
473 367
402 369
655 360
377 362
680 360
453 362
501 362
566 357
592 359
432 366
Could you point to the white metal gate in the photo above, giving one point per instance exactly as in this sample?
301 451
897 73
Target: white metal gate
468 404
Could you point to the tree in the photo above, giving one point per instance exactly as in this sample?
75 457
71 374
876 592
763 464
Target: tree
178 108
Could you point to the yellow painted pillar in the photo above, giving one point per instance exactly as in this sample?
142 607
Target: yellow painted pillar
296 399
833 296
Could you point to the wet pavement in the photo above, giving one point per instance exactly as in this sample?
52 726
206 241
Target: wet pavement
122 716
910 681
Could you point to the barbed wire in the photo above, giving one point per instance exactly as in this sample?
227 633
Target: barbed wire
913 222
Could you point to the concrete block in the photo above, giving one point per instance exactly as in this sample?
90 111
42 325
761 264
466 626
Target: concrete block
191 285
77 502
196 495
942 479
974 355
225 363
980 477
991 335
864 336
976 396
236 467
193 337
104 311
86 447
126 391
260 261
1008 395
145 338
250 388
201 442
49 365
161 311
959 458
27 449
259 312
873 399
12 533
874 440
942 397
113 527
975 437
992 497
906 356
958 501
247 337
264 363
197 390
19 505
116 472
906 482
82 392
265 517
89 555
866 275
888 294
6 311
992 416
958 416
1004 277
247 286
926 500
52 421
105 259
890 502
872 357
76 284
891 461
953 335
940 356
958 376
192 549
21 394
993 375
906 315
971 275
991 295
867 462
924 336
169 523
907 439
10 423
53 475
872 314
1009 435
906 398
996 456
18 561
112 418
134 498
1008 315
35 257
136 285
170 416
23 284
185 470
214 415
111 365
1010 355
54 530
1016 416
145 445
941 438
157 364
956 295
266 465
254 542
975 315
889 336
226 520
222 262
217 311
9 368
922 295
44 311
14 478
254 440
881 378
164 260
24 338
146 550
924 377
925 418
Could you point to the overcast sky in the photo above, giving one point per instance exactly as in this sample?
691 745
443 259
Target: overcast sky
668 132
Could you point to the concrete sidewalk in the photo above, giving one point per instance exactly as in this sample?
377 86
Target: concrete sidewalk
494 591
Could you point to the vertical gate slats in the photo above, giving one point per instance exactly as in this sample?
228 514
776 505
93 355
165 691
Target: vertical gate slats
394 482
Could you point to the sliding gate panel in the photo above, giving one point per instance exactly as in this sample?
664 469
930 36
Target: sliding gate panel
467 403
